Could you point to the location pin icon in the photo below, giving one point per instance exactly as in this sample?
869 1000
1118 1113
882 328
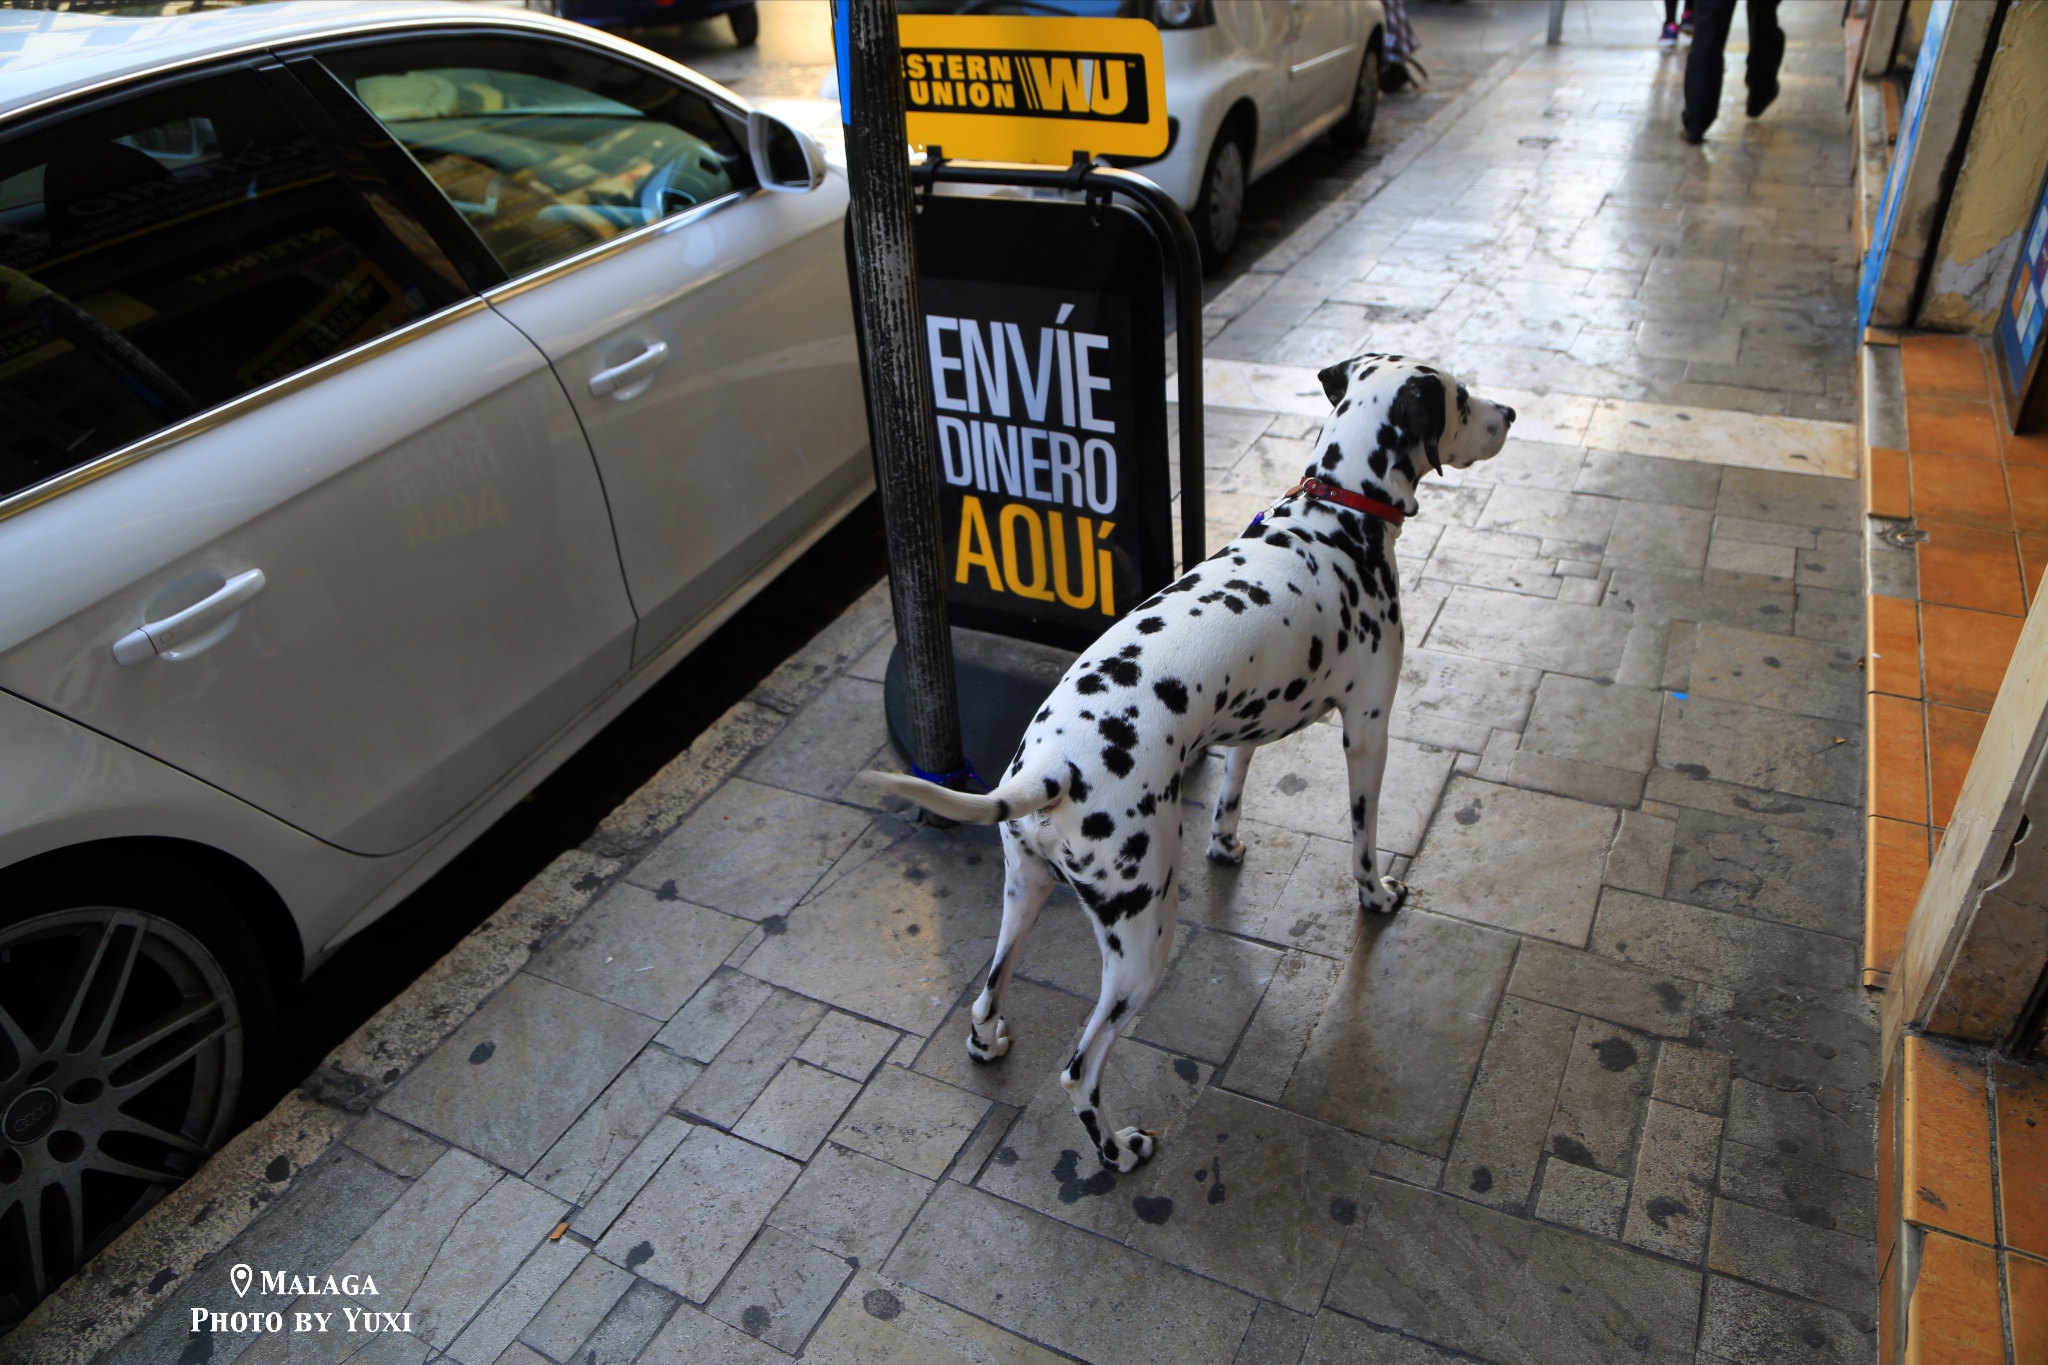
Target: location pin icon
239 1277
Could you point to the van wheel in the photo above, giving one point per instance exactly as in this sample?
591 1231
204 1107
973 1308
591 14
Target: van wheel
1219 209
746 24
134 1014
1356 126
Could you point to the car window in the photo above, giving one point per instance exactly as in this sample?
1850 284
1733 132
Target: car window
171 252
546 148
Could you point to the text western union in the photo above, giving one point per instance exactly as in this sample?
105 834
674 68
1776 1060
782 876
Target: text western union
1050 85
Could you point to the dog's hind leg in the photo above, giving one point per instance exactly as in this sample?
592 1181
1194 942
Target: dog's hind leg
1027 881
1224 845
1365 758
1134 953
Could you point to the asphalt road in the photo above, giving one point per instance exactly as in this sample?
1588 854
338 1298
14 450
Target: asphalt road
790 60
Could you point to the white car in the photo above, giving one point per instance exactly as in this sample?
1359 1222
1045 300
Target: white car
389 393
1249 83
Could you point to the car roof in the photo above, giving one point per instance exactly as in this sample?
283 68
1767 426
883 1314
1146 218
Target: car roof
48 54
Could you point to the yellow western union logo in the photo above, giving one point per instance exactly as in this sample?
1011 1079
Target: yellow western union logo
1015 84
1008 88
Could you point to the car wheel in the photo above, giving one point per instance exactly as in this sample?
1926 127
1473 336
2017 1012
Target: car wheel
1356 126
1219 209
134 1013
746 25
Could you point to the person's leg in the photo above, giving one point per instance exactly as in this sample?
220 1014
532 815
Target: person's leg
1668 35
1766 51
1704 65
1670 11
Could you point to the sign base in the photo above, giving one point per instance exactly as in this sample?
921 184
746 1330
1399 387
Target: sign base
1003 683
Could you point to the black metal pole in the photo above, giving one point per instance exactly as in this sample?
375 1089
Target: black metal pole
882 229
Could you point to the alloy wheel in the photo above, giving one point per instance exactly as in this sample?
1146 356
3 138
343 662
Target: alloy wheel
1224 210
121 1053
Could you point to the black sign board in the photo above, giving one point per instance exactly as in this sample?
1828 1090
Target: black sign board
1045 334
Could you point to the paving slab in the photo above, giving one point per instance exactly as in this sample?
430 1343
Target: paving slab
1279 1031
1300 783
744 1067
512 1079
720 1008
797 1109
1717 948
1557 637
884 1320
1044 1026
850 1204
1209 995
780 1289
1484 1282
1019 1270
1600 1103
1241 1169
636 949
1807 677
1743 1322
1406 1021
1514 859
631 1324
911 1121
693 1220
1507 1119
1811 879
897 939
576 1308
750 850
1611 725
1783 1253
848 1046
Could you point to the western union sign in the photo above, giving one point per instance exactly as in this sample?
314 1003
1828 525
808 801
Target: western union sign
1008 88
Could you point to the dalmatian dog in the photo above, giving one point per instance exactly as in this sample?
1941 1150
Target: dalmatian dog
1299 615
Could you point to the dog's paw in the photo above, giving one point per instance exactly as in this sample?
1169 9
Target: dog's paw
1134 1148
1385 898
998 1045
1226 849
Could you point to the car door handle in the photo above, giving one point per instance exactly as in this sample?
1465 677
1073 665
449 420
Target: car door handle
607 382
188 628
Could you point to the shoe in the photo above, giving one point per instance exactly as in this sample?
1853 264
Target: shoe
1685 21
1669 37
1690 136
1760 100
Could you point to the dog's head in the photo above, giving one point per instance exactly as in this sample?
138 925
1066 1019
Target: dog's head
1396 419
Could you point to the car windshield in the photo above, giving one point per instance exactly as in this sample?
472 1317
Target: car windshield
545 148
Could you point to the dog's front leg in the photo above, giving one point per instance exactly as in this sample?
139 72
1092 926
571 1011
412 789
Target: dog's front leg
1224 845
1365 759
1027 881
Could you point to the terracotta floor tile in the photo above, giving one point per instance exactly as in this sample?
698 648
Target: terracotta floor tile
1965 653
1953 1318
2023 1156
1951 426
1898 865
1960 492
1892 646
2028 487
1898 759
1952 735
2031 449
2033 563
1887 484
1887 1168
1887 1301
1945 1142
1966 567
2026 1291
1950 365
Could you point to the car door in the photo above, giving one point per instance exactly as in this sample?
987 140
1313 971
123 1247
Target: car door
1322 60
701 327
282 503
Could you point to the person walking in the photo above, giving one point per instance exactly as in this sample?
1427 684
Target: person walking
1705 63
1674 24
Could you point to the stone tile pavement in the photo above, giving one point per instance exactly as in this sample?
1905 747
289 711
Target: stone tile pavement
1602 1092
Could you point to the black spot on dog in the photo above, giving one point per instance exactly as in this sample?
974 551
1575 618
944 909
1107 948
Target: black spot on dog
1122 672
1153 1209
1134 847
1174 693
1042 716
1147 804
1119 732
1260 597
1052 789
1151 625
1118 761
1333 457
1616 1054
1115 944
1358 812
1099 825
1295 688
1088 684
1076 787
1234 602
1315 652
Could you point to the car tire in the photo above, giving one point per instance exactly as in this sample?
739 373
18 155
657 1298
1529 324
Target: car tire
1219 207
746 24
1355 127
136 1024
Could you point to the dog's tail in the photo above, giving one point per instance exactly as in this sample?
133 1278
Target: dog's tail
1021 795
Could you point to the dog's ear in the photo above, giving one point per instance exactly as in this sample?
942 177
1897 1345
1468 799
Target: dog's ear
1417 414
1336 379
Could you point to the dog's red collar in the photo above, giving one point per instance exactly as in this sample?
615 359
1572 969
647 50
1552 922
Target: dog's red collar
1357 502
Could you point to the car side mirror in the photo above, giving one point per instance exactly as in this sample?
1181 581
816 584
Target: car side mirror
786 159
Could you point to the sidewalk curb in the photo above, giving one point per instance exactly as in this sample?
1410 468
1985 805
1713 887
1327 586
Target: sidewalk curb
97 1308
